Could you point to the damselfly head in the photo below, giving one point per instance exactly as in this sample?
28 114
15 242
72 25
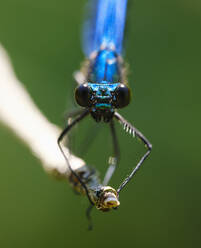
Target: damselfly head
107 199
102 98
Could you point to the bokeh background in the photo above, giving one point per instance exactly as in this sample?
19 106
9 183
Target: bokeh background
162 206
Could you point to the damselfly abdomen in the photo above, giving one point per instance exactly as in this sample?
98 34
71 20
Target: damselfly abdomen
102 86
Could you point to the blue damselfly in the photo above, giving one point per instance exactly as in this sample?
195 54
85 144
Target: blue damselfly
102 84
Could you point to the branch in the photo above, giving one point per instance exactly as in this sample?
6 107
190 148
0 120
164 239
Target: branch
21 115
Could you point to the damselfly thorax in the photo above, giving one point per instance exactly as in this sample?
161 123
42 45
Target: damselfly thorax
105 88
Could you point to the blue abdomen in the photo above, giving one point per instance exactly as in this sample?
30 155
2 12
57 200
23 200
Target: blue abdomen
104 25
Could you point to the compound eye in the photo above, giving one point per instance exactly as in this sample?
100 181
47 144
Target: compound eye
122 94
82 95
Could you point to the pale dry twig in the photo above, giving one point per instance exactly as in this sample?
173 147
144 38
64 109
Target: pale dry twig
21 115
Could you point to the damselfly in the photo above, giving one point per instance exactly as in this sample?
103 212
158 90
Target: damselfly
102 85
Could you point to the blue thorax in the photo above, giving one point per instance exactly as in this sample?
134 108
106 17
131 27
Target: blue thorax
104 68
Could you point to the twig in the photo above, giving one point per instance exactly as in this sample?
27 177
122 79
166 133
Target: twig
21 115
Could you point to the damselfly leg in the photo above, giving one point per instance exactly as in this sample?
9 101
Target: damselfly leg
135 132
90 137
73 114
69 118
62 135
113 161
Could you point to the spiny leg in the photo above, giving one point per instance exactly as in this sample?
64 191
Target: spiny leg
113 161
132 130
64 132
88 214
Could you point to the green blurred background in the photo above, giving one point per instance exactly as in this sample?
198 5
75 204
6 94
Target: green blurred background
162 206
